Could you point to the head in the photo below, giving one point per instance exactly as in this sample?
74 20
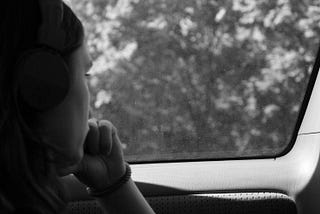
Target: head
37 146
66 125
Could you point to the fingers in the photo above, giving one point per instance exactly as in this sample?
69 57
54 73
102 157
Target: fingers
91 145
102 139
106 129
104 163
117 142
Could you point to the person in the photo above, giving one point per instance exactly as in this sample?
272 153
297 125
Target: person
45 130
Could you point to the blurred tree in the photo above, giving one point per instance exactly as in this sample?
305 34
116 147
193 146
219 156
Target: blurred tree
200 78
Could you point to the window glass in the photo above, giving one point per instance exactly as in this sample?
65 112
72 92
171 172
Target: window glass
194 79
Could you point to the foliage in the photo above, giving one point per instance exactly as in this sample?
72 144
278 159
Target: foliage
200 78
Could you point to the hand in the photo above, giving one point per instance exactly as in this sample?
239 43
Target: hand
103 163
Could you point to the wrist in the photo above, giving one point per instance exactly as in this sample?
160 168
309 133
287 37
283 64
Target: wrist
114 187
127 199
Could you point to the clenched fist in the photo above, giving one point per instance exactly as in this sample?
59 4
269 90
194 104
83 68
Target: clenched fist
103 163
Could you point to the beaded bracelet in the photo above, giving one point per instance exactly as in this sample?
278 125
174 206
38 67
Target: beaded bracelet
113 187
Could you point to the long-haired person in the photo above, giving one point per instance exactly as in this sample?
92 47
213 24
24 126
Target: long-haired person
45 132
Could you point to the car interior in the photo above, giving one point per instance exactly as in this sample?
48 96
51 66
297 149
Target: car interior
277 171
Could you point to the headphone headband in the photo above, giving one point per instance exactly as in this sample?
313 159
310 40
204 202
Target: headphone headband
50 32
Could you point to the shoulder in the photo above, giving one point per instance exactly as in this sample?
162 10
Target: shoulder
23 210
7 208
5 205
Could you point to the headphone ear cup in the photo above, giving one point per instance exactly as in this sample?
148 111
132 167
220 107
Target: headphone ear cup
43 79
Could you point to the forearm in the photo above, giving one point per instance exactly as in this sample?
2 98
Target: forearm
126 200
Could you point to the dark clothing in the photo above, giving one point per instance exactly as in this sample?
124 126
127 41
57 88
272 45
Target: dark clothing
7 208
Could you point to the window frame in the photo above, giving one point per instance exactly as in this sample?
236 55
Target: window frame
299 128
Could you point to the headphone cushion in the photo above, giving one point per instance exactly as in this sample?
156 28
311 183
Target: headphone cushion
44 79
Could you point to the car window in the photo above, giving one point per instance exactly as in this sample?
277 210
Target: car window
200 79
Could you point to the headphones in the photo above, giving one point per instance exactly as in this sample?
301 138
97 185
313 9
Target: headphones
43 75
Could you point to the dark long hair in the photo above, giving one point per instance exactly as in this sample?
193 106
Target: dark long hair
27 177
